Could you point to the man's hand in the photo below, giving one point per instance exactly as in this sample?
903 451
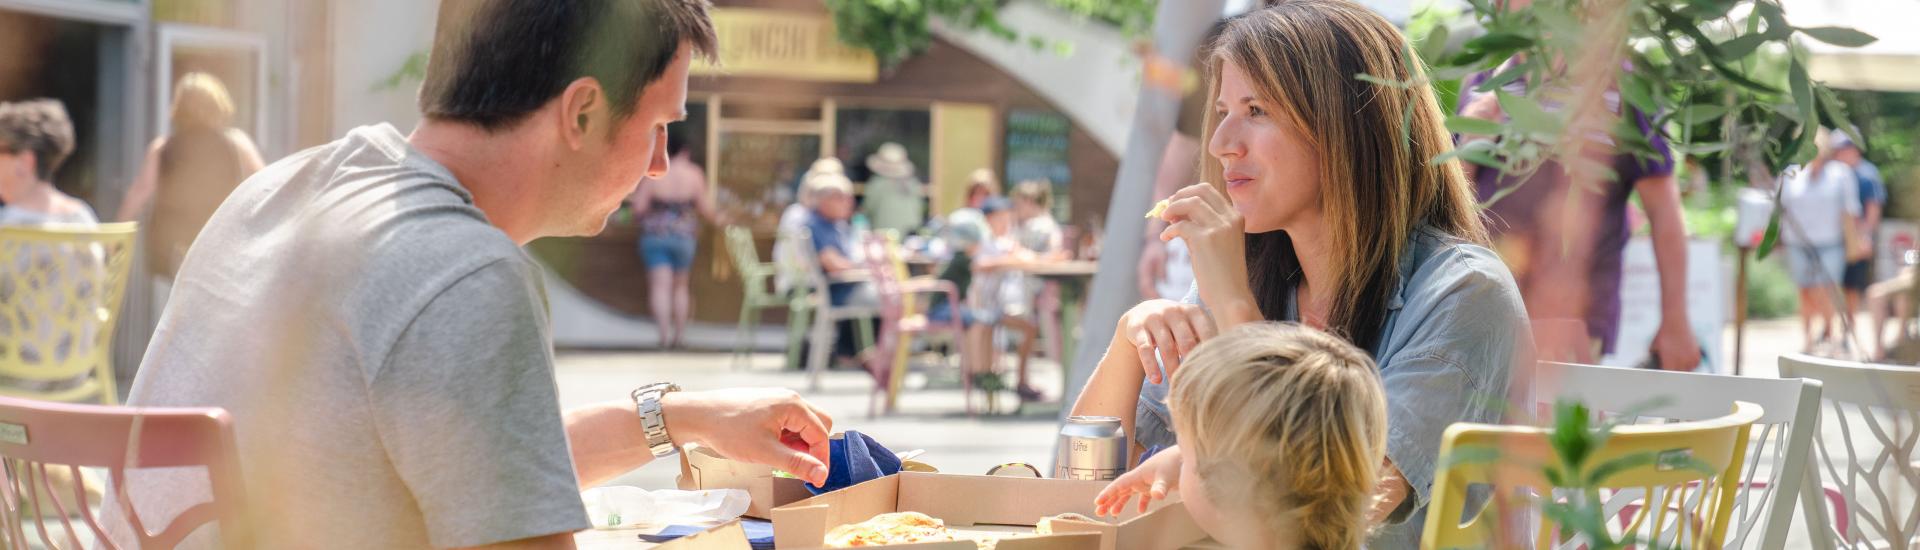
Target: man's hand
1676 347
774 427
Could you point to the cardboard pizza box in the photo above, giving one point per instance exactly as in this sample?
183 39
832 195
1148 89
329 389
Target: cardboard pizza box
702 468
728 536
1163 528
965 502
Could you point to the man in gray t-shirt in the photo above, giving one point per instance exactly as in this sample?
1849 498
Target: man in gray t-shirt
365 312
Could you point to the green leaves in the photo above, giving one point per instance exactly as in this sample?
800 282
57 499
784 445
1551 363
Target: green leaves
1498 42
1434 44
1743 46
1772 239
1701 113
1388 82
1839 36
1478 152
1571 440
1528 115
895 30
1472 126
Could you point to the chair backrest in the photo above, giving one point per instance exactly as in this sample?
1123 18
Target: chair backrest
803 266
746 260
1676 506
1867 450
60 293
879 257
1780 445
36 436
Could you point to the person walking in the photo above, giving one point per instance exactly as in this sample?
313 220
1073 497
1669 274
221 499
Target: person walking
670 209
1873 201
1819 201
188 173
1564 233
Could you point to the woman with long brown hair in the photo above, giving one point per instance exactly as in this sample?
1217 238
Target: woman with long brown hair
189 171
1326 210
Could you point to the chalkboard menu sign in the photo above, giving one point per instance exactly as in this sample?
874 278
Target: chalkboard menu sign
758 174
1037 149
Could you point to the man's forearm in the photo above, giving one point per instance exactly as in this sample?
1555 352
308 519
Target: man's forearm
606 440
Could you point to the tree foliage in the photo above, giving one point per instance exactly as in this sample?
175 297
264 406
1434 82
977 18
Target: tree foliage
1721 80
898 29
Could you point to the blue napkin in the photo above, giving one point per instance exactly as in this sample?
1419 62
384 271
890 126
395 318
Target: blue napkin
856 459
759 533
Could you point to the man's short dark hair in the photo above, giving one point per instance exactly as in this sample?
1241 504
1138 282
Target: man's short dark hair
496 61
40 126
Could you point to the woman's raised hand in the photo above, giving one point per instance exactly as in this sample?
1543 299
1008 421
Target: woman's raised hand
1162 331
1216 238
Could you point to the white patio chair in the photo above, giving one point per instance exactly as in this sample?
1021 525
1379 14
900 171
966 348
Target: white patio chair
1865 456
813 284
1779 445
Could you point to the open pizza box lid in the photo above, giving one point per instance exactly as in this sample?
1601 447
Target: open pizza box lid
703 469
964 501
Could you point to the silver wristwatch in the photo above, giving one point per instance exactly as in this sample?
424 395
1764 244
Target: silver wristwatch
646 403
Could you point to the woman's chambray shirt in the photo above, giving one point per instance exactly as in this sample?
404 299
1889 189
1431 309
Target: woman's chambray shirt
1454 331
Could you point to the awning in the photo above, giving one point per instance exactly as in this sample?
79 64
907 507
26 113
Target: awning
1891 64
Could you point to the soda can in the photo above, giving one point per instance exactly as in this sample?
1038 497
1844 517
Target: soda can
1091 447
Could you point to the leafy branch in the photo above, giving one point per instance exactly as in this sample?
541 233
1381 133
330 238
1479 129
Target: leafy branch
895 30
1716 79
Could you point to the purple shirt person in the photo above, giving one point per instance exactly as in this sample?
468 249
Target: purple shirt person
1567 254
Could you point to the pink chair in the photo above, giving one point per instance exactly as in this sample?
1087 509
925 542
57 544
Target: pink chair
901 320
35 435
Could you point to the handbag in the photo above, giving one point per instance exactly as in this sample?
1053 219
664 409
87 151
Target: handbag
1858 247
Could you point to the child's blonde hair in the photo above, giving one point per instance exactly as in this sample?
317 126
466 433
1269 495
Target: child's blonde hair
1288 423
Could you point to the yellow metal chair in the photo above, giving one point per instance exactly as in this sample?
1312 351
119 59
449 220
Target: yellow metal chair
60 293
1667 505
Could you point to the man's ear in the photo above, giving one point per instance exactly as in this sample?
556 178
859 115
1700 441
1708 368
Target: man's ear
582 105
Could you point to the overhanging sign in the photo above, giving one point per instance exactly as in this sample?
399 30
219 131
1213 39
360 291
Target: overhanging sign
786 44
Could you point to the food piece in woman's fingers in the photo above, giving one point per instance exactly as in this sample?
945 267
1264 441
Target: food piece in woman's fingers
1158 209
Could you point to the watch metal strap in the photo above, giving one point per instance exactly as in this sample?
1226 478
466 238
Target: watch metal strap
653 420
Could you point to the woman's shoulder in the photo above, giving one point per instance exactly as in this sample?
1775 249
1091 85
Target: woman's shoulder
1446 268
74 210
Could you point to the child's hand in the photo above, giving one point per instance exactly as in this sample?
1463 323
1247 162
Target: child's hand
1153 480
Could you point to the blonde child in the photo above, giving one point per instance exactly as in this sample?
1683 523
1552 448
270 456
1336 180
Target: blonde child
1282 433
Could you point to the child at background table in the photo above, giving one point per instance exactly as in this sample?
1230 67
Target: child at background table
980 269
1282 433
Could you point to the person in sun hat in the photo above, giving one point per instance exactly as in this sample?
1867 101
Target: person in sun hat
895 199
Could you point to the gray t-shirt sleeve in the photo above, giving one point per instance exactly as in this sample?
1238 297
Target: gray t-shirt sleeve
468 412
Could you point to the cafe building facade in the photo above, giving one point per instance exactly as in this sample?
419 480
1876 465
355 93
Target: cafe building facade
787 92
